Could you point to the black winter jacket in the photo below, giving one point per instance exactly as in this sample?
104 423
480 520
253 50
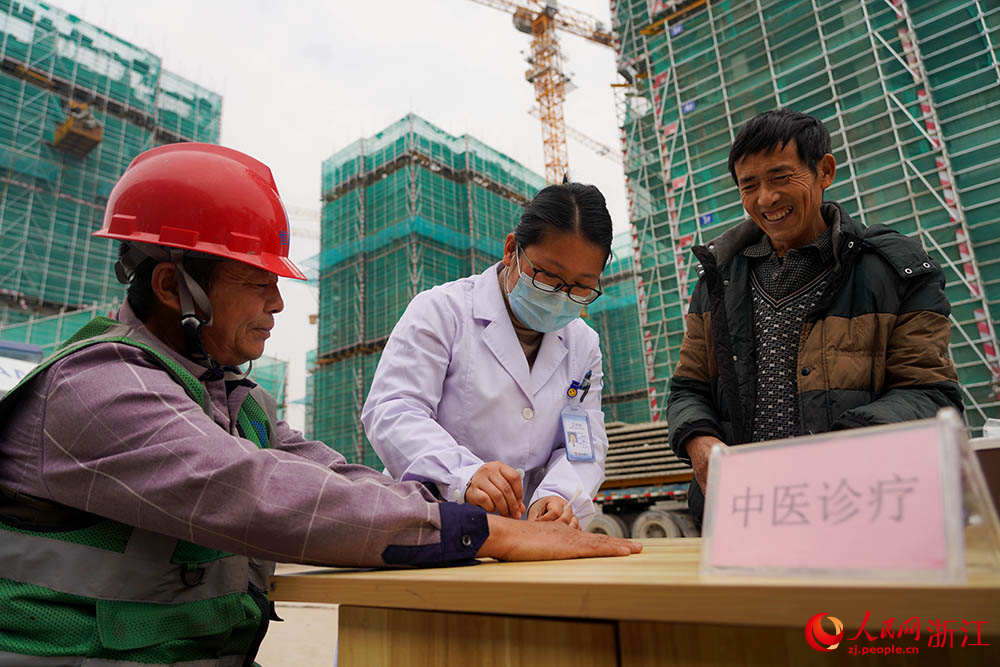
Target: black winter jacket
874 350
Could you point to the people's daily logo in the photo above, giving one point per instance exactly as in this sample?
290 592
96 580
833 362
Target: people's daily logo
818 638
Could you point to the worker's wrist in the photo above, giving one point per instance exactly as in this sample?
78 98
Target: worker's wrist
464 530
699 447
499 541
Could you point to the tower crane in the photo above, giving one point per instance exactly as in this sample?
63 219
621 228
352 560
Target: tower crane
542 20
584 139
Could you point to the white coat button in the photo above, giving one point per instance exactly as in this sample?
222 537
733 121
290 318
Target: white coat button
527 413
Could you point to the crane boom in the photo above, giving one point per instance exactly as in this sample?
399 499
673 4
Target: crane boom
601 149
565 18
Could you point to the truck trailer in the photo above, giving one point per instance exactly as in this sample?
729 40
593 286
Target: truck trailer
644 493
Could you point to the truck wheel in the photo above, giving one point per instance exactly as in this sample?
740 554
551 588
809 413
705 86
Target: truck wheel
608 524
686 523
654 523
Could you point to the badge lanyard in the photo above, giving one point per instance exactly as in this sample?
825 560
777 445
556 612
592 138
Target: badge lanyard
576 425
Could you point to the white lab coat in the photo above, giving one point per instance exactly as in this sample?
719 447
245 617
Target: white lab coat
453 391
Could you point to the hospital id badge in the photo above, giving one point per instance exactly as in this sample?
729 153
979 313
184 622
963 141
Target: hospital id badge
576 434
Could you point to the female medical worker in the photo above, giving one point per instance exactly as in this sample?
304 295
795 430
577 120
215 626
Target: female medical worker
484 379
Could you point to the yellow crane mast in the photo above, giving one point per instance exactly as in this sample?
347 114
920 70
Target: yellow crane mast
542 20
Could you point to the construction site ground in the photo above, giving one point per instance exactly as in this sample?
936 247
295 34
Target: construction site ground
307 637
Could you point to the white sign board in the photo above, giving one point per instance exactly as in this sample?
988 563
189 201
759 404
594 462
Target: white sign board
880 502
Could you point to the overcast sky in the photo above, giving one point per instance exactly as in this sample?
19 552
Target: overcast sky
302 79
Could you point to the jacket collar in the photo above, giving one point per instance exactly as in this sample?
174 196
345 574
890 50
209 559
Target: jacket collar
487 302
500 338
745 234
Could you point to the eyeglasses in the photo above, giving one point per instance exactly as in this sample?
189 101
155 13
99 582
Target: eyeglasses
550 282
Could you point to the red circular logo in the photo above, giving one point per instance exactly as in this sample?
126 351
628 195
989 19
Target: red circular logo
818 638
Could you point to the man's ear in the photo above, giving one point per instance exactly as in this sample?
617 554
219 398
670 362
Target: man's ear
165 286
827 168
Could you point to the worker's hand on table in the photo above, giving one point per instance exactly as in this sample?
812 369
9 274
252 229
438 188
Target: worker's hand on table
553 508
699 448
496 487
548 540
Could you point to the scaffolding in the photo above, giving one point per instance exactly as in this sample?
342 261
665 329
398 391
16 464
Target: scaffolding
272 374
406 209
52 200
49 331
909 90
615 317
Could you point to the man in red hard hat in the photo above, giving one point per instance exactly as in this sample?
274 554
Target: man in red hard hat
146 483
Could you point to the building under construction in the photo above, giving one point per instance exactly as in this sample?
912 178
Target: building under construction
272 374
406 209
76 105
615 317
909 90
410 208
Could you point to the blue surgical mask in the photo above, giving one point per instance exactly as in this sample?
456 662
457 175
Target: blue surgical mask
541 311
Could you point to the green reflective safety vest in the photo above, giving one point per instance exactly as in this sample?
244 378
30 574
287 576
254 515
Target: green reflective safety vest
78 589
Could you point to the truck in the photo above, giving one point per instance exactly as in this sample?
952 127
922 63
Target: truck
644 493
16 361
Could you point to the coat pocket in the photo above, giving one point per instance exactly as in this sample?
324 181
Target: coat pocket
845 353
850 369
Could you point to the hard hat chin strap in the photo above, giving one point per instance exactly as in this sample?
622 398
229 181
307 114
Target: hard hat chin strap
191 294
136 254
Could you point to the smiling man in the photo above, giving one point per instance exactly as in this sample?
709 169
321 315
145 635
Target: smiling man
146 483
804 320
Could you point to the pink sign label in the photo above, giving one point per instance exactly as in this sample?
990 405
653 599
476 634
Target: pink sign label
866 502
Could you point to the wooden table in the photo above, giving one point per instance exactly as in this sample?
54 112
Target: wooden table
648 609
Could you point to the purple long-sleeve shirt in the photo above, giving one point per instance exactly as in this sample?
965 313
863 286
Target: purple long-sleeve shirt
108 431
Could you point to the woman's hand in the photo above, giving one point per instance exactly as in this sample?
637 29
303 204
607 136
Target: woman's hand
553 508
496 487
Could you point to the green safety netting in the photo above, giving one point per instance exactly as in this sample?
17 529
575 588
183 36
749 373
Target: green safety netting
615 317
49 331
338 391
53 201
272 375
633 411
414 133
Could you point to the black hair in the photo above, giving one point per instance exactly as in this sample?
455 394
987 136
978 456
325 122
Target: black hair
141 296
570 207
774 129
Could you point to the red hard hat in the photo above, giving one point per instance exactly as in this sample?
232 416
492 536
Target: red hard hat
205 198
